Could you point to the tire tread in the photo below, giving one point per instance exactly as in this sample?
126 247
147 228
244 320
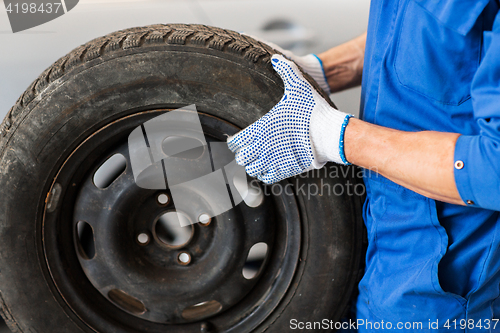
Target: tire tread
181 34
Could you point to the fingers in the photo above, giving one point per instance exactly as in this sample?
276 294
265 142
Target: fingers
244 137
287 70
256 168
268 173
233 142
256 165
247 155
268 147
270 177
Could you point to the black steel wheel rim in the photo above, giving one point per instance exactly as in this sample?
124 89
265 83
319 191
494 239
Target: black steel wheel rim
102 291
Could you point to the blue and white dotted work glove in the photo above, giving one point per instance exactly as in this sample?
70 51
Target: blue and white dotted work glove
300 133
310 63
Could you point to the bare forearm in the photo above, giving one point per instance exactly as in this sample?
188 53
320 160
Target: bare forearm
343 64
420 161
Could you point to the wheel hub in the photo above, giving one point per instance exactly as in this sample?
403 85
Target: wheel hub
128 261
162 280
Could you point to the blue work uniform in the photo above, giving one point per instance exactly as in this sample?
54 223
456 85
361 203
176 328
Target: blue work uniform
434 65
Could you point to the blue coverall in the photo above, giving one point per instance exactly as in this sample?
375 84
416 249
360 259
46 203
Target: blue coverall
434 65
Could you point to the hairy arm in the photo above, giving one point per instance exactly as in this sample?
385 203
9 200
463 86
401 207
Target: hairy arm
420 161
343 64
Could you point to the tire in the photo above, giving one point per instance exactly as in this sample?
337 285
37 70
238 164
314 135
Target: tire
89 100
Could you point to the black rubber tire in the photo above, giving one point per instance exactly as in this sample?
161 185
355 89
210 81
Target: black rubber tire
130 71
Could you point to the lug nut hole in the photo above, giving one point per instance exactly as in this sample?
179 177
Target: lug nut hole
184 258
163 199
143 238
204 219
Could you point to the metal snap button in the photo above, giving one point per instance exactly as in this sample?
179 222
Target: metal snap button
459 165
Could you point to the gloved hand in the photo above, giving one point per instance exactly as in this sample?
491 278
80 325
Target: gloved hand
300 133
310 63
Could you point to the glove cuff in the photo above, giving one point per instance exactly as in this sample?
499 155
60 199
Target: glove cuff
327 135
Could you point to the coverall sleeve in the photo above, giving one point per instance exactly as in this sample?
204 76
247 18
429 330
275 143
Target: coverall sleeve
478 179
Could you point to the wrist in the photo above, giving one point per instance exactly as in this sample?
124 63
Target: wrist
327 133
357 145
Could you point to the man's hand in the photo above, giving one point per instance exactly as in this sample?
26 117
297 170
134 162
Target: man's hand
334 70
311 64
300 133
